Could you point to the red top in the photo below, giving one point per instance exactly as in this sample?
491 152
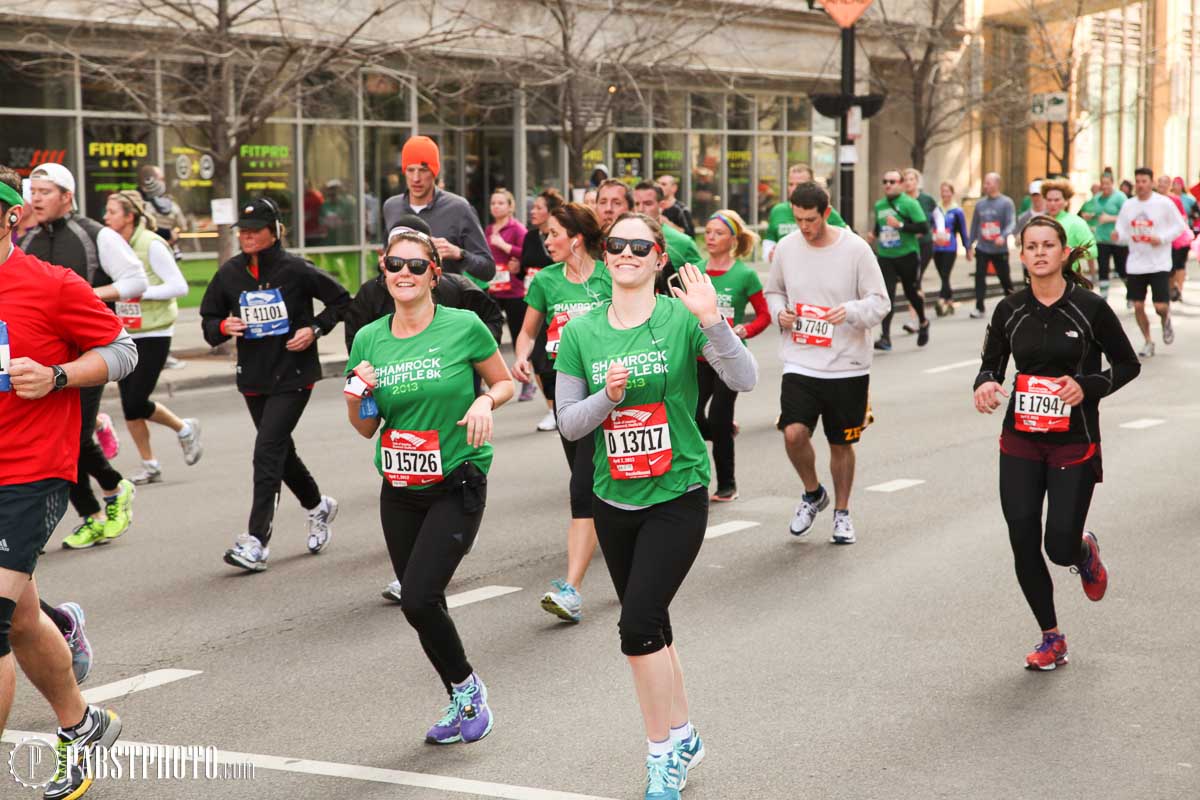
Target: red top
52 316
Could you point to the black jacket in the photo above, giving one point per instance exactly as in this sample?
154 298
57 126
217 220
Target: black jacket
266 366
69 242
452 291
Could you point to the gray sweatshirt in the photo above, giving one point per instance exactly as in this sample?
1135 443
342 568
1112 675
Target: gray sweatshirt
449 217
844 273
1000 217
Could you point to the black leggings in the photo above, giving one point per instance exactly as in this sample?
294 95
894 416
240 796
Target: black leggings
649 553
1024 484
1000 262
944 260
136 387
514 314
714 417
1118 255
275 459
903 268
92 463
1179 257
580 455
428 531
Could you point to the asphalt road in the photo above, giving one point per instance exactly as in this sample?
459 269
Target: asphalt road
888 670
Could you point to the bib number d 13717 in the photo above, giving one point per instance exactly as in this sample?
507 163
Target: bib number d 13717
264 313
410 458
811 327
1037 408
638 442
130 313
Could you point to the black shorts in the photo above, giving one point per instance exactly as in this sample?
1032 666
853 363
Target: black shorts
841 403
29 513
1179 258
1159 283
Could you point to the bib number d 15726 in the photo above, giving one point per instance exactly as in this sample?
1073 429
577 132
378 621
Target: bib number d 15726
410 458
264 313
130 313
638 442
811 327
1037 408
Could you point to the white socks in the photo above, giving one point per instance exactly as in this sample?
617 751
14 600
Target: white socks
185 431
682 733
659 749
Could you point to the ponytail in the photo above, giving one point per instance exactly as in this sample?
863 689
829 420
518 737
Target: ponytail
1073 266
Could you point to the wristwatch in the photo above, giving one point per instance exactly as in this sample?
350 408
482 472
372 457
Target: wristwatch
60 378
316 329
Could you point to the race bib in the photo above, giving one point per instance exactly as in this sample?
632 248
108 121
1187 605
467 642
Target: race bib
889 237
1143 229
638 442
264 313
1037 408
725 306
5 380
502 281
941 237
990 231
811 327
529 273
410 458
554 332
130 313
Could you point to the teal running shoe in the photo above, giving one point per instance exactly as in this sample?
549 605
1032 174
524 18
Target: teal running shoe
663 776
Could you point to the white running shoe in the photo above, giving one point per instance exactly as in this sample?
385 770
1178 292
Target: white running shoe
148 474
248 553
192 449
319 520
806 513
1168 331
392 592
843 529
1147 350
548 423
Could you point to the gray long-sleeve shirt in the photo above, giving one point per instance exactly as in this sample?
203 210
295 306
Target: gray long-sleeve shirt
449 217
120 355
992 223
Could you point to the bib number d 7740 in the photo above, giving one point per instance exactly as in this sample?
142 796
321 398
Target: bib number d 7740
811 327
410 458
638 442
1037 408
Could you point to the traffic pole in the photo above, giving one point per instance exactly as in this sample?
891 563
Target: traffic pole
846 179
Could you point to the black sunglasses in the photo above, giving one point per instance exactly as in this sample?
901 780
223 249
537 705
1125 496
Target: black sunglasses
416 266
639 247
887 181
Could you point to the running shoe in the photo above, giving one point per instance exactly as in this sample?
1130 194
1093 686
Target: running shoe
806 513
843 529
978 313
548 423
727 495
564 602
663 777
319 520
909 328
528 392
691 753
1092 572
148 474
1168 331
475 718
86 534
81 648
883 343
1048 655
192 449
1104 289
106 436
119 511
72 778
448 729
392 592
939 307
248 553
923 335
1147 350
174 363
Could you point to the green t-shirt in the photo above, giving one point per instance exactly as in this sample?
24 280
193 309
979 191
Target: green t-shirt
892 242
560 300
1089 212
663 453
1109 205
734 288
680 247
782 221
1078 232
426 385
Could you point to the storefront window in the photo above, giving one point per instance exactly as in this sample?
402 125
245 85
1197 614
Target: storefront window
590 160
824 162
771 187
706 174
668 156
543 163
103 85
739 158
629 158
331 216
708 111
741 112
26 142
669 109
385 177
113 153
190 184
386 97
330 96
798 151
799 116
770 112
542 105
34 80
629 109
266 167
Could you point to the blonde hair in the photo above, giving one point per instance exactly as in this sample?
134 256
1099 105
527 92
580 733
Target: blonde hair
512 201
744 238
135 206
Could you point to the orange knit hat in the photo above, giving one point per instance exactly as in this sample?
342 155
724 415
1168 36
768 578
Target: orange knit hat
421 150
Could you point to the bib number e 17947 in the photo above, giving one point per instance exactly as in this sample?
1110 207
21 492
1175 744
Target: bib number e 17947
638 442
811 327
264 313
410 458
130 313
1037 407
5 379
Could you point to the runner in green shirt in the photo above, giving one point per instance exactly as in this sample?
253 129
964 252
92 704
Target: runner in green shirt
627 378
781 221
1109 203
412 381
558 294
1058 194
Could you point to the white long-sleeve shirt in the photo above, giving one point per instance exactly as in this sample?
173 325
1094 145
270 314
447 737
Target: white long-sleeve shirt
121 263
1139 220
844 273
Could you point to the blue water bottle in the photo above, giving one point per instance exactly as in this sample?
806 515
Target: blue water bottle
5 383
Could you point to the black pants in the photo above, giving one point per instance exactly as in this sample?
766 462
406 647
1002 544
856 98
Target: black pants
428 531
1179 257
514 314
1000 262
903 268
926 255
92 463
1024 486
649 552
1117 253
275 459
714 417
580 461
944 260
137 386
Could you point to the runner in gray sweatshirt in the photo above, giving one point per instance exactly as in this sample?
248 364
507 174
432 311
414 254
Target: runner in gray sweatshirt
991 225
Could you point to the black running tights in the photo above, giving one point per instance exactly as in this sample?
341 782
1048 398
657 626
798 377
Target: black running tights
944 260
92 463
714 417
903 268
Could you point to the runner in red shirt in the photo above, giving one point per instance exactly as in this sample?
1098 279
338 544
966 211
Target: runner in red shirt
55 336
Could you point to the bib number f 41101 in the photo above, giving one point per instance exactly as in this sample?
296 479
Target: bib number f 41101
638 442
410 458
1037 408
264 313
811 327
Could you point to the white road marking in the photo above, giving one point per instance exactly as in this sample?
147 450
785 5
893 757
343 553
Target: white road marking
1139 424
480 594
138 683
948 367
355 772
726 528
896 485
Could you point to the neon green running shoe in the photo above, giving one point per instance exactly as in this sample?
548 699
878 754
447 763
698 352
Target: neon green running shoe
119 511
90 532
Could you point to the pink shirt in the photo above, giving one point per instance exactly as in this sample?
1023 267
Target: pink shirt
513 233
